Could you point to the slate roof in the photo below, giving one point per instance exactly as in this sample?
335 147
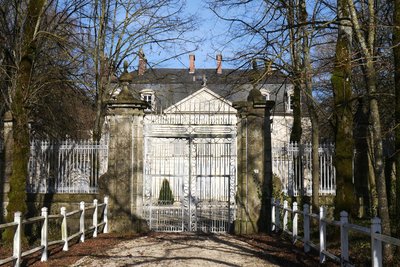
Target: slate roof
173 85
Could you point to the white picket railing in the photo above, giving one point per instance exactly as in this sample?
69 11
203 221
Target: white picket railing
374 232
66 167
292 164
18 224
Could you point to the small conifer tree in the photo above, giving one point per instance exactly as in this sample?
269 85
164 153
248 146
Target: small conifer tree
165 197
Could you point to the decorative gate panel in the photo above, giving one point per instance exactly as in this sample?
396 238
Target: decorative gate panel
200 172
166 163
214 173
190 167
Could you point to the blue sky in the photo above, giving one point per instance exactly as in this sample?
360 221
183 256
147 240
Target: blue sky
210 29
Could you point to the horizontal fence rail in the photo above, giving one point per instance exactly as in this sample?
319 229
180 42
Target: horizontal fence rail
45 243
281 215
292 164
66 167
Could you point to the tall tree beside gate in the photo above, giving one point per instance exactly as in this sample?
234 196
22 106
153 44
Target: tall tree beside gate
20 112
367 42
396 54
342 91
295 45
37 54
306 28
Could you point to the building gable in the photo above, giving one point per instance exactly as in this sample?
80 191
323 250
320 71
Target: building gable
202 101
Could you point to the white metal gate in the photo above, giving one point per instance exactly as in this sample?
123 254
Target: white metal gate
190 171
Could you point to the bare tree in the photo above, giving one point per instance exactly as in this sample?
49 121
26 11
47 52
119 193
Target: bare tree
285 32
39 56
118 30
366 43
24 67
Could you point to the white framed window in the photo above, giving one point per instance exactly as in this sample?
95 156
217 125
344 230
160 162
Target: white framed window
289 95
148 96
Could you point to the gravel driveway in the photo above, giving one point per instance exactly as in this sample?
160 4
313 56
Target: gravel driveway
184 249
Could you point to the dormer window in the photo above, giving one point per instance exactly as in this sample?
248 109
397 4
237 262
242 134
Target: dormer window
265 93
148 96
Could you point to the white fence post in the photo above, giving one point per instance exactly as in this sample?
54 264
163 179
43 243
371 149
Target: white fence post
95 217
17 250
295 221
285 215
322 234
376 244
44 240
306 228
82 221
64 228
105 214
273 214
344 238
277 215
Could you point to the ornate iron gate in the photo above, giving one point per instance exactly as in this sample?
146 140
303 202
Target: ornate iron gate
190 172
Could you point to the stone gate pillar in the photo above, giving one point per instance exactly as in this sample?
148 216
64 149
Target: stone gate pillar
123 182
254 165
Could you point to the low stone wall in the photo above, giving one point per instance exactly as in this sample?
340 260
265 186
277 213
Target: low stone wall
54 202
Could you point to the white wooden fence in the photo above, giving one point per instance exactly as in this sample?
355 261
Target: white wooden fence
18 224
66 167
280 221
292 164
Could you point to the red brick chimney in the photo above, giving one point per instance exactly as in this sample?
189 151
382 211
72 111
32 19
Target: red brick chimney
219 64
142 63
191 63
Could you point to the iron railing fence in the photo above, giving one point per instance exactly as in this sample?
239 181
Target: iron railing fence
292 164
67 166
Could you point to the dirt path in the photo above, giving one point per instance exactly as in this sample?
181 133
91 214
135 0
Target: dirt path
184 249
178 249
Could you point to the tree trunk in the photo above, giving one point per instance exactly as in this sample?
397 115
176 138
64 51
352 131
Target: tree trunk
20 111
100 66
295 134
341 85
307 81
372 187
396 55
383 209
315 159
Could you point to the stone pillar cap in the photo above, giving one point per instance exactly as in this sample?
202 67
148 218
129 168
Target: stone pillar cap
8 116
125 99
